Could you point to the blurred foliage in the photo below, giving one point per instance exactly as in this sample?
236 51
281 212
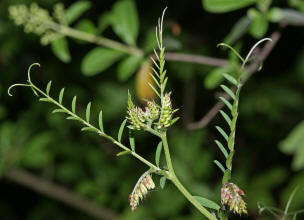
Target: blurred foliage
269 159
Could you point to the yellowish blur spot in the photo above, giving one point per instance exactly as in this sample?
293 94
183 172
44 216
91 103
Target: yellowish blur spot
143 77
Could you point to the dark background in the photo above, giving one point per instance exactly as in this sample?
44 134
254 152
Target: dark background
47 146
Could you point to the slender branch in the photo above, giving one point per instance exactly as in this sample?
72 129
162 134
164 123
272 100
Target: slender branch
102 41
98 131
181 57
190 198
167 153
59 193
199 59
250 70
171 175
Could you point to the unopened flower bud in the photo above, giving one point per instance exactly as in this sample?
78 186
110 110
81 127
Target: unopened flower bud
166 112
136 118
153 109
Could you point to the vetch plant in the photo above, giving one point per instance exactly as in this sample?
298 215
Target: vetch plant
279 213
156 118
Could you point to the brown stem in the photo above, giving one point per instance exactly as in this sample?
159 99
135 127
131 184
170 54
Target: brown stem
250 70
190 58
59 193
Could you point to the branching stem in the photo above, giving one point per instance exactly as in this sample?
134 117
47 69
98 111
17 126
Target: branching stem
171 175
84 122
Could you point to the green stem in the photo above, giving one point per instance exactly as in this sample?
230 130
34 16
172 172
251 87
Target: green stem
101 133
190 198
102 41
171 175
167 153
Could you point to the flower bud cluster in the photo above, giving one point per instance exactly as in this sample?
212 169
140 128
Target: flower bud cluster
161 116
36 20
231 195
138 117
141 189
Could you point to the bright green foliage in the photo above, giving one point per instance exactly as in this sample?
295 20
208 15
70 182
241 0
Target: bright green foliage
91 64
270 103
125 21
127 67
61 50
86 26
207 203
76 10
220 6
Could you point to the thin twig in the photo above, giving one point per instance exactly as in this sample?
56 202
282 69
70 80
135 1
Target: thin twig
190 58
102 41
250 70
59 193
